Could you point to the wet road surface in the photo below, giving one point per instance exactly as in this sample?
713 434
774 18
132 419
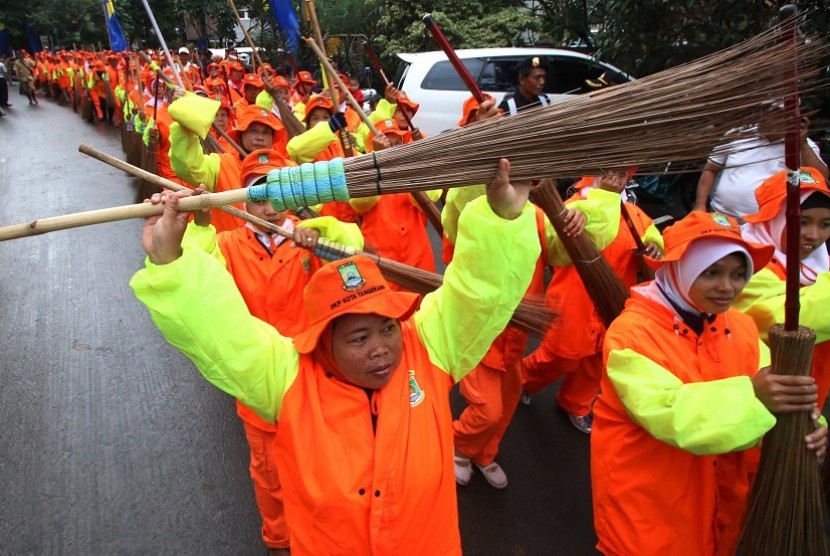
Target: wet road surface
110 441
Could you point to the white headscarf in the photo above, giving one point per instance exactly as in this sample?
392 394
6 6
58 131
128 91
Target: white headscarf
675 278
770 232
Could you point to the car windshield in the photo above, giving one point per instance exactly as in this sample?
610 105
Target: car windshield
442 75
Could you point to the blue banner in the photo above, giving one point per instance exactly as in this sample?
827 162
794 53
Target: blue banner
5 50
32 38
286 18
117 41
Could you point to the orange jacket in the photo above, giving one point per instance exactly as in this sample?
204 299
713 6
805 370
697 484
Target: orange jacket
329 513
396 229
578 330
671 463
163 121
230 177
256 272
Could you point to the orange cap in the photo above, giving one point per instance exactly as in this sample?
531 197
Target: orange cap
773 192
305 77
701 225
260 162
223 102
98 65
253 80
265 67
237 66
353 285
404 100
390 127
281 82
254 114
470 105
318 101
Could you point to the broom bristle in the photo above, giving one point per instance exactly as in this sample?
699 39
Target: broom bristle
786 513
145 187
678 115
293 126
604 287
531 316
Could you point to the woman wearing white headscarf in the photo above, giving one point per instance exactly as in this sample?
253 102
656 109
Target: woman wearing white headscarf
683 403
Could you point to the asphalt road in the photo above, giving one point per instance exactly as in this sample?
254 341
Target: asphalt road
110 441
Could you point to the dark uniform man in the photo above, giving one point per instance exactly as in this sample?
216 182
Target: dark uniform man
532 74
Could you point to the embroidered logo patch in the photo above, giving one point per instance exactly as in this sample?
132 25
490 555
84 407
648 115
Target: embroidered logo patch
352 279
416 395
806 177
264 112
262 158
721 219
306 264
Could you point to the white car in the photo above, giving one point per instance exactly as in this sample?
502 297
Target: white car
429 79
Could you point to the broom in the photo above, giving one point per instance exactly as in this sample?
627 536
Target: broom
532 315
674 115
786 511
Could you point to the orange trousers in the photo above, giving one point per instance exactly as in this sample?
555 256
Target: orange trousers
492 396
579 387
96 102
267 489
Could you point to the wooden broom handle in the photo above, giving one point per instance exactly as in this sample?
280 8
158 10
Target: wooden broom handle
373 58
445 45
792 158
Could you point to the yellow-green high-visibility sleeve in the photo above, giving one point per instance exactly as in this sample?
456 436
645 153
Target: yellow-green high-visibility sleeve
763 300
197 307
204 238
189 161
332 229
653 235
703 418
307 146
492 266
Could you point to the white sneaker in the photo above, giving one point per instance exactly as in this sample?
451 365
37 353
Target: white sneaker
494 475
463 470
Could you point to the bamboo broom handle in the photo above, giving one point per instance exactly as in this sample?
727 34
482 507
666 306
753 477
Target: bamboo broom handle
792 156
114 214
645 270
237 147
248 38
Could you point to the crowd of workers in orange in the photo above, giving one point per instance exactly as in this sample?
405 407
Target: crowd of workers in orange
342 379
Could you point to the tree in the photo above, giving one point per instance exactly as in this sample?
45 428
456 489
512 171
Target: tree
471 24
644 36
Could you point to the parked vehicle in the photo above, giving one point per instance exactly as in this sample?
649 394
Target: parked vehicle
429 79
